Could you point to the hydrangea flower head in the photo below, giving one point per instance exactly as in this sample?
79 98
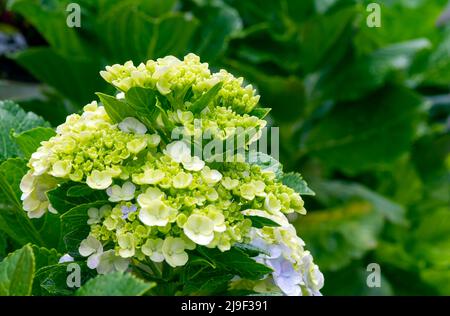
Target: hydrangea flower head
162 199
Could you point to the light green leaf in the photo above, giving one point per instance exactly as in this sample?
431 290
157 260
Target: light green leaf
29 141
143 102
14 118
115 284
266 162
206 98
117 110
260 112
295 181
17 272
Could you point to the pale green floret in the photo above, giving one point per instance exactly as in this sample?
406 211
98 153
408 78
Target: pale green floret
153 249
157 213
182 180
200 229
173 251
118 193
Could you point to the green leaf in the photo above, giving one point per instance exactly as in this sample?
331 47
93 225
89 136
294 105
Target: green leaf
29 141
11 173
315 46
44 257
219 23
340 235
51 280
295 181
70 194
169 34
143 102
117 110
14 118
207 282
13 219
49 18
266 162
235 261
50 230
260 112
3 246
74 227
260 222
369 73
17 272
115 284
79 190
206 98
286 95
75 78
250 250
352 280
338 192
354 138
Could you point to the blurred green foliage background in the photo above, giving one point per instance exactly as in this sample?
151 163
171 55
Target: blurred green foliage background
364 113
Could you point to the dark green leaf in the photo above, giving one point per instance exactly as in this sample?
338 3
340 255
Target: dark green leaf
235 261
260 222
70 194
49 18
369 73
75 78
219 23
354 138
74 227
80 190
208 282
44 257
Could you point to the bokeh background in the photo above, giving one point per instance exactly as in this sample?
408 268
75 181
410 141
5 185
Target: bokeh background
364 113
